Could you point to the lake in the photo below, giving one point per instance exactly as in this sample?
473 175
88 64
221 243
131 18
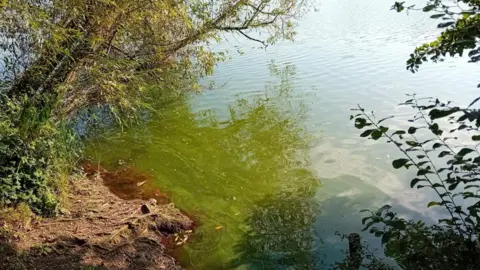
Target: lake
268 161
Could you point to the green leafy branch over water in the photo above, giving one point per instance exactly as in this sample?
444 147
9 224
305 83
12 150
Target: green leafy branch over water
436 147
460 22
69 58
441 147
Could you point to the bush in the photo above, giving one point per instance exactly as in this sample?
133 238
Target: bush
34 155
441 146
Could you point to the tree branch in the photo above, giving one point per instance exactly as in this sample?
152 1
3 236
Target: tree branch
254 39
248 26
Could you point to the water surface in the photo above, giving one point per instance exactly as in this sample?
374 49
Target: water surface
268 162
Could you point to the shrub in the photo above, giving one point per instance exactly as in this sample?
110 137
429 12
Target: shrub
441 145
34 153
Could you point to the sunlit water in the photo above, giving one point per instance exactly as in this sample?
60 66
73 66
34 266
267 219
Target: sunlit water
269 162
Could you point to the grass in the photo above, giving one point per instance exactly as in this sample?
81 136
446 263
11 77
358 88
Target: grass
18 216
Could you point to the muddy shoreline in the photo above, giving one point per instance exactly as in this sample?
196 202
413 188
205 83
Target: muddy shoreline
113 220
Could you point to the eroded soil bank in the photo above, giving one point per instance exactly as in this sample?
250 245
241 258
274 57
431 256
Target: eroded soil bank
99 230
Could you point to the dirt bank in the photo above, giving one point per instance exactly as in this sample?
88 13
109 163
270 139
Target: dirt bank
98 231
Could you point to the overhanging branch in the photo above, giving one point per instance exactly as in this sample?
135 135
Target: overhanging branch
254 39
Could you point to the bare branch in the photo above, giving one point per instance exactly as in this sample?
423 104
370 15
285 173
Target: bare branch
254 39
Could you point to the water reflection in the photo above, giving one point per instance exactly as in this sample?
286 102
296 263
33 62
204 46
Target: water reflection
246 172
233 169
281 232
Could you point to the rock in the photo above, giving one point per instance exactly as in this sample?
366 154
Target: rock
153 202
145 209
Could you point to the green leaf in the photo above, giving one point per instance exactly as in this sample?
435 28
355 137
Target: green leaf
465 151
412 130
384 119
437 185
399 132
453 186
365 220
412 143
474 101
445 194
473 212
436 113
366 133
376 134
415 181
398 163
435 129
469 220
360 123
423 172
428 8
430 204
399 225
398 6
422 163
447 221
386 237
436 16
437 145
444 153
476 137
383 208
368 225
445 24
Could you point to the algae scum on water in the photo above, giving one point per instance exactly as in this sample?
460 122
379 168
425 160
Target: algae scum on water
245 176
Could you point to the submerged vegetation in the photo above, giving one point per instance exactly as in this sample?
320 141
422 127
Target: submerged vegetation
65 59
244 174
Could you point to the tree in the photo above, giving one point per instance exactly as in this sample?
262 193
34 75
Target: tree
102 52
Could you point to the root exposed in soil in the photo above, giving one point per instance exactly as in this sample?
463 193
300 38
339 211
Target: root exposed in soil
98 231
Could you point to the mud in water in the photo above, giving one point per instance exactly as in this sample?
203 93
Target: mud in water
127 182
